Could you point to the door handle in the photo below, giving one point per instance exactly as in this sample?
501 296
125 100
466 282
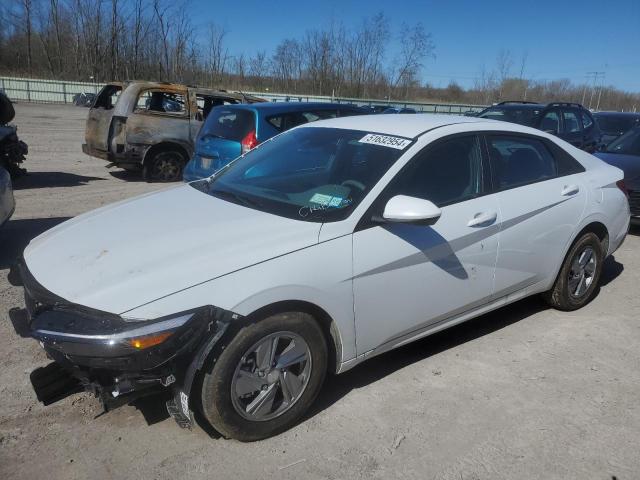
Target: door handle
483 218
568 190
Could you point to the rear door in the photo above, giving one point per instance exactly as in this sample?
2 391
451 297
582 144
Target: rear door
99 118
542 198
160 115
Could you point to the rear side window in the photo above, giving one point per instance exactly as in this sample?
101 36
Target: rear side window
206 103
571 122
108 97
550 122
229 123
445 173
161 102
517 161
587 121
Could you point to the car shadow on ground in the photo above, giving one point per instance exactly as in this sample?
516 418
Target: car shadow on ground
634 229
51 179
15 235
610 270
126 175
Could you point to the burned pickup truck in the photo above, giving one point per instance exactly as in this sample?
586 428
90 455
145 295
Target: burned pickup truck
151 127
12 150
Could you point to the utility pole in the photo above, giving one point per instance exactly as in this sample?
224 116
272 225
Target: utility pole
594 76
600 91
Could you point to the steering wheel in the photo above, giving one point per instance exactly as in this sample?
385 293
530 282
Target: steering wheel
354 183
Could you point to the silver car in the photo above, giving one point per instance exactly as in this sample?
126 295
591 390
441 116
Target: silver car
7 202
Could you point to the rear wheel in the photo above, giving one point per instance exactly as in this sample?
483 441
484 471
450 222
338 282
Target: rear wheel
578 279
266 378
164 166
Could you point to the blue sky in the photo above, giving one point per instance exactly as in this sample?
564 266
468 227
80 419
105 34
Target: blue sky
563 38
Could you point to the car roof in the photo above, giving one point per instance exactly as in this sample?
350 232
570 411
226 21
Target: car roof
617 114
518 106
283 107
408 126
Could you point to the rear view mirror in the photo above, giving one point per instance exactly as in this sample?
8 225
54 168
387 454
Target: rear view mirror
404 209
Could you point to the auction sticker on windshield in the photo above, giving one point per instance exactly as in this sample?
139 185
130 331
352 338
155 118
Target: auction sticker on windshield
385 141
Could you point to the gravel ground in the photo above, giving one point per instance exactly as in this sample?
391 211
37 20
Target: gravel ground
523 392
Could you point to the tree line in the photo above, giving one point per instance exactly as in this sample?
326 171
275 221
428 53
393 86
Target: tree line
103 40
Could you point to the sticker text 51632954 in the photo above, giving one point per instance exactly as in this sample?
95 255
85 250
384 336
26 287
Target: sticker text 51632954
385 141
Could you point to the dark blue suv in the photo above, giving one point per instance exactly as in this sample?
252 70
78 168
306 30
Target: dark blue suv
569 121
232 130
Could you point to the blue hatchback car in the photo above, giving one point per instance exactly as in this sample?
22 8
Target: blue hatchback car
232 130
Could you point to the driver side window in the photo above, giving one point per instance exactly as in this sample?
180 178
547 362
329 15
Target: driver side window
448 172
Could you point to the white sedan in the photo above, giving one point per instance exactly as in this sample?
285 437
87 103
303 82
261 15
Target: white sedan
324 246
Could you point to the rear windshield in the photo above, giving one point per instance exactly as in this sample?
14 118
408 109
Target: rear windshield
229 123
628 144
523 116
615 125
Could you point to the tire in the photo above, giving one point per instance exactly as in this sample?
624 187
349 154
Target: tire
164 166
577 284
243 400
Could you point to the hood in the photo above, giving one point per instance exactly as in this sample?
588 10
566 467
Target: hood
127 254
629 164
7 113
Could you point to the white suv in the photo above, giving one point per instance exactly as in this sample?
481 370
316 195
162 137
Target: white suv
324 246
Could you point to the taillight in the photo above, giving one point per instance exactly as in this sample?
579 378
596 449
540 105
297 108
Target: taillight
249 141
621 185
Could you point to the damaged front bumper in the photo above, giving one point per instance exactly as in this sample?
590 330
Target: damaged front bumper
117 359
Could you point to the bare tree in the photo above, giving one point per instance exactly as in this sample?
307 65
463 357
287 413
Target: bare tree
415 46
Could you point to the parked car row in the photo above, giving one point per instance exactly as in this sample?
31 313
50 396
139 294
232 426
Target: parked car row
151 126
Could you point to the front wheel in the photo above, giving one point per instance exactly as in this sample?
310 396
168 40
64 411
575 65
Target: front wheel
266 378
578 279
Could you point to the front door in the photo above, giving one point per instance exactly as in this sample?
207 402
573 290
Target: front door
408 277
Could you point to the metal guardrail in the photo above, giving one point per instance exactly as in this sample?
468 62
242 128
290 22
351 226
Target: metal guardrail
57 91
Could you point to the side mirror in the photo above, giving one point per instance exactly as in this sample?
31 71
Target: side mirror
404 209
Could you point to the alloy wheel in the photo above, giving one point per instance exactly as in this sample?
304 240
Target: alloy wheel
271 376
581 274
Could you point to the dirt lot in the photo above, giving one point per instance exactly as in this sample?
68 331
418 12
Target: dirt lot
524 392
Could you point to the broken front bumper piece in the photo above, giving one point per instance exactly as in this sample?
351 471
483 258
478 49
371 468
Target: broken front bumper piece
116 359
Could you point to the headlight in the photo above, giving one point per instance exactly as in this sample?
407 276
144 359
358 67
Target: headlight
76 334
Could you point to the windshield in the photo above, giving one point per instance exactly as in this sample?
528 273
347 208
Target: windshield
523 116
628 144
615 125
310 174
229 123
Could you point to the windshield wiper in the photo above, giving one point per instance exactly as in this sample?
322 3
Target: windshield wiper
235 198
